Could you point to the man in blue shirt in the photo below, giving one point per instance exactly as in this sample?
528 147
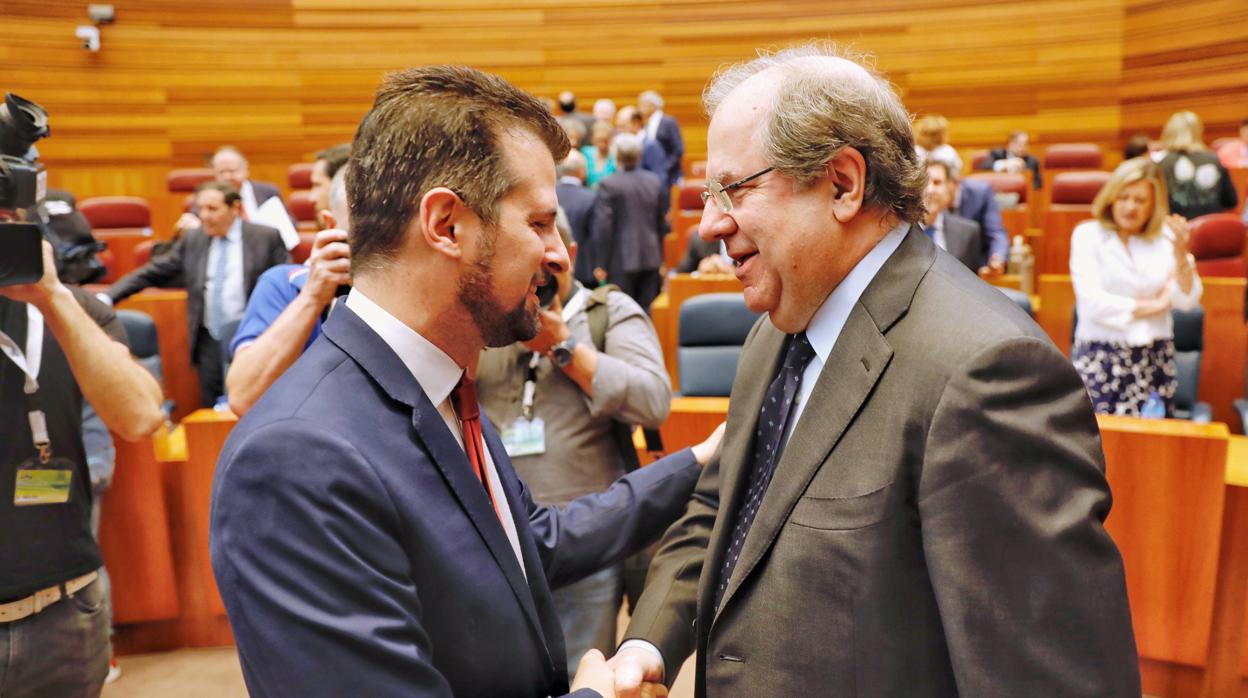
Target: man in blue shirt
285 311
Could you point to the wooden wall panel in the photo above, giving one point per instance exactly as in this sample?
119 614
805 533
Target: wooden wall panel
284 78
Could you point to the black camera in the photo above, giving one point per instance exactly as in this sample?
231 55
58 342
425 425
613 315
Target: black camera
23 182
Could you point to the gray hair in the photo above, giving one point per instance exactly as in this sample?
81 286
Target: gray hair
338 205
817 110
571 166
652 98
627 147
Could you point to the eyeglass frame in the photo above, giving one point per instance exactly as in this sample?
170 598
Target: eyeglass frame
720 191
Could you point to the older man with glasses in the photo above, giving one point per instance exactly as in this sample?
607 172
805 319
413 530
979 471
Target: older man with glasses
910 497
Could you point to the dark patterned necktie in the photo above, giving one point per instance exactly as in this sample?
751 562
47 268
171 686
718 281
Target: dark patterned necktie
768 444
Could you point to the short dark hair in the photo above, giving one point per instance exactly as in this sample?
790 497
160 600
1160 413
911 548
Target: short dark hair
435 126
227 190
335 156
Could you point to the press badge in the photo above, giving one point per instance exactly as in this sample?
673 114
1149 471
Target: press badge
43 483
525 437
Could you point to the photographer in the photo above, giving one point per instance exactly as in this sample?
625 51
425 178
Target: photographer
59 346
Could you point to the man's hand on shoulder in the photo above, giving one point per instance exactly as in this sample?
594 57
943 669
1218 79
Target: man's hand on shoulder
706 450
329 266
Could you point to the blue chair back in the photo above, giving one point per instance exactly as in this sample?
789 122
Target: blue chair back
143 339
1189 345
713 327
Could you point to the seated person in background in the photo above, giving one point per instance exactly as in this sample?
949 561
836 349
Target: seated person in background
577 203
958 236
230 167
1014 158
1197 183
1129 267
599 160
931 140
653 157
327 164
285 312
1138 145
219 264
975 200
596 369
629 222
56 612
704 256
1235 153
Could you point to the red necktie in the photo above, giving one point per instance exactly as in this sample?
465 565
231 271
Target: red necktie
464 400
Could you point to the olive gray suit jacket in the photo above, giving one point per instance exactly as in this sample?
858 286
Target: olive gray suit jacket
934 525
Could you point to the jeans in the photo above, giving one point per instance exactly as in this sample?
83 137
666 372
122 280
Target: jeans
587 611
60 652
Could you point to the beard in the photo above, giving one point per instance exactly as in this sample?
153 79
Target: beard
498 326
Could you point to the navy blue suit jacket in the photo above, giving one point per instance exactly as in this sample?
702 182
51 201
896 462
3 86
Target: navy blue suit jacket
358 555
578 203
977 202
668 136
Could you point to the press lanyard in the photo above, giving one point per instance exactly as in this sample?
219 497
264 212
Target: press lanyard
28 363
530 380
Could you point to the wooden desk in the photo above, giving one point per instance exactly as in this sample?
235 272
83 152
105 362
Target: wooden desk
135 538
1226 336
1053 245
692 419
167 308
201 620
680 288
121 242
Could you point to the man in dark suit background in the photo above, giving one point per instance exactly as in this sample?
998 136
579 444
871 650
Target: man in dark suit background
1014 158
976 201
910 497
956 235
653 157
219 263
629 222
577 203
665 130
229 166
368 533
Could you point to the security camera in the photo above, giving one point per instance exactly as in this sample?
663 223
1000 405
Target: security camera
101 14
89 36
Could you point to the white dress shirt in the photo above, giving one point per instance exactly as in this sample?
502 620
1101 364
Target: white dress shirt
437 374
233 292
652 124
1110 277
822 332
248 195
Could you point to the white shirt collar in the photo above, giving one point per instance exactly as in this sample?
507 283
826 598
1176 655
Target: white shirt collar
569 179
828 321
437 373
235 233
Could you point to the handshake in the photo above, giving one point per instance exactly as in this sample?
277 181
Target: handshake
633 672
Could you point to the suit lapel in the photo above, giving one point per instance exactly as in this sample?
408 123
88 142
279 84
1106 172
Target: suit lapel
858 360
345 329
734 461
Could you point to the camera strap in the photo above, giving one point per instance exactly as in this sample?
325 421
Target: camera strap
29 363
575 303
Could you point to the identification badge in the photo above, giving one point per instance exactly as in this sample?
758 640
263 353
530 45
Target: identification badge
43 483
525 438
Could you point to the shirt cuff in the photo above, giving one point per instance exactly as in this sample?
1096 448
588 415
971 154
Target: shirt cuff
649 648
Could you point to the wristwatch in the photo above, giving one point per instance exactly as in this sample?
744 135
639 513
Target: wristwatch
561 353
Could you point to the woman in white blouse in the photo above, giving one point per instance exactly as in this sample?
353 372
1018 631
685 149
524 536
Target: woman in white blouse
1129 267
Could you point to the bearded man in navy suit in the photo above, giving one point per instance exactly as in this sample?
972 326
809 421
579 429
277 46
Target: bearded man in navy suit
369 535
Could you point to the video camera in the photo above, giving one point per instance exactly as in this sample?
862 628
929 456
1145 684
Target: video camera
23 190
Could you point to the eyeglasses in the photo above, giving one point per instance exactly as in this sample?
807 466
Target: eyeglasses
719 192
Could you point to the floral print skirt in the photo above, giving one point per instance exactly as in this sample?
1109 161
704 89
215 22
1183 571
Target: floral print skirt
1119 377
